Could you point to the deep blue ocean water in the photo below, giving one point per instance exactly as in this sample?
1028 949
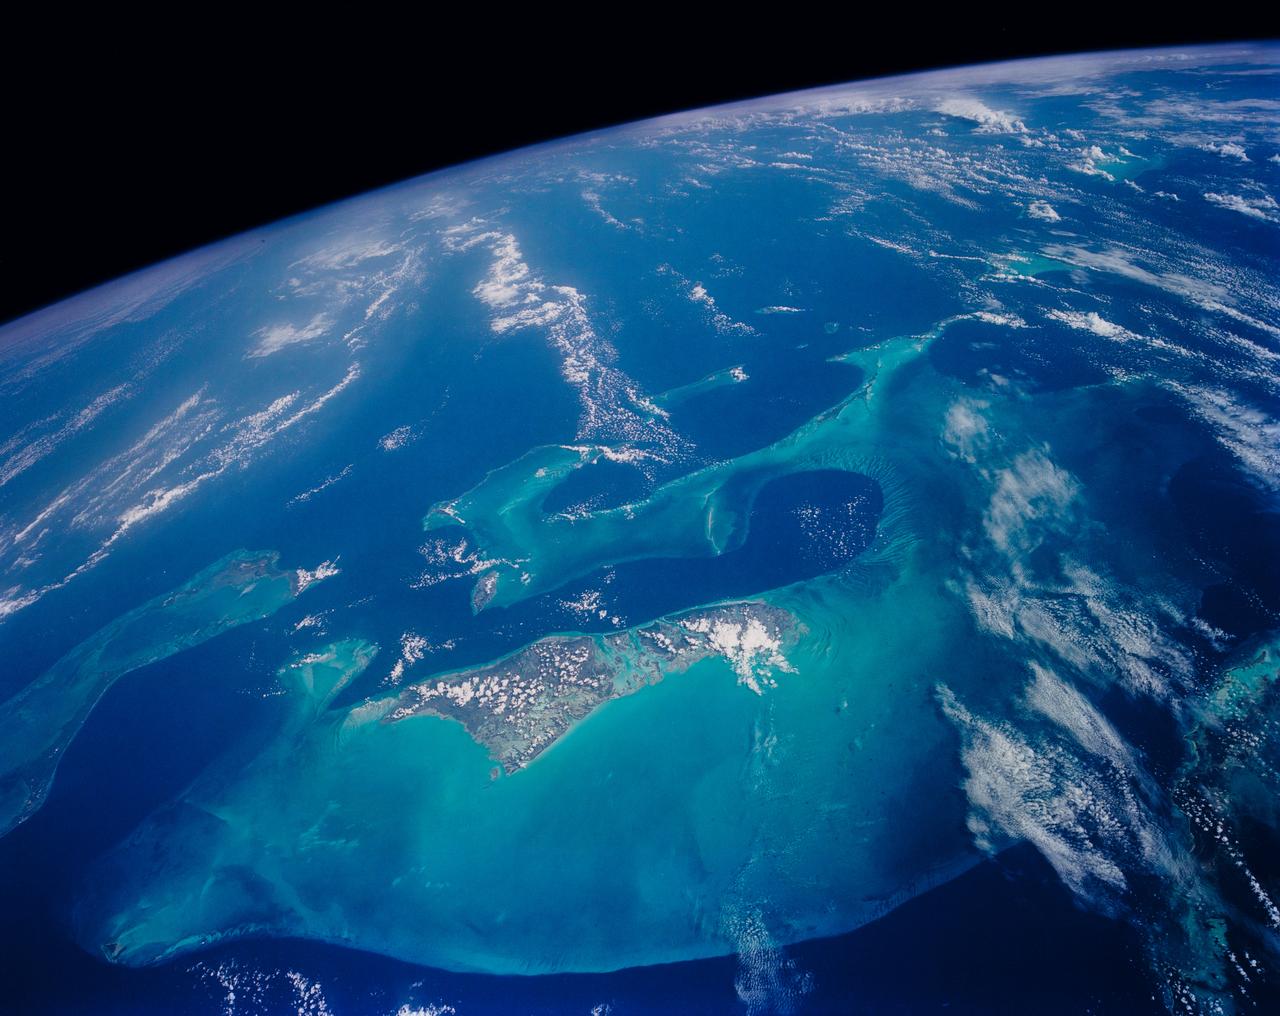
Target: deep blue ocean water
941 415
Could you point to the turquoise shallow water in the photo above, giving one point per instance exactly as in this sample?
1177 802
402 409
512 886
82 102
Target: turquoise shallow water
40 721
755 794
813 554
696 843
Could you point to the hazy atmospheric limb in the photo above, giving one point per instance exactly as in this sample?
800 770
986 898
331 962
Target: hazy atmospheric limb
733 527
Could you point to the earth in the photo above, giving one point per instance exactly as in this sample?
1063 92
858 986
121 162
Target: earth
817 554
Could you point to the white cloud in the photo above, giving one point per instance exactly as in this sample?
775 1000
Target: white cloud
358 277
717 318
164 468
966 432
1092 322
1248 433
1022 790
613 407
58 330
274 338
751 648
1228 150
309 577
396 439
1262 206
1204 294
1043 210
720 321
1090 157
1054 698
1031 493
29 454
596 204
989 121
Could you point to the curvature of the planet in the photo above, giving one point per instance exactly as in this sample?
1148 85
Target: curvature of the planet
821 554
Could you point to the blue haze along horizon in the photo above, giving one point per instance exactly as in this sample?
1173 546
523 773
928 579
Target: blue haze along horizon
810 554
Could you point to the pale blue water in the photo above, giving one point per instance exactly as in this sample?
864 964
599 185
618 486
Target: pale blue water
804 556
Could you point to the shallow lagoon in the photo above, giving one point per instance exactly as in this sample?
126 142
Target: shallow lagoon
1020 519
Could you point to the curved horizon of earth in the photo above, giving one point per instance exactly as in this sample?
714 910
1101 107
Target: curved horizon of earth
713 537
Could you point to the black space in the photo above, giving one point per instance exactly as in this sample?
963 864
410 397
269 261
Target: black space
135 143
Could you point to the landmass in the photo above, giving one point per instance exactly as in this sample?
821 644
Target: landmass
521 705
